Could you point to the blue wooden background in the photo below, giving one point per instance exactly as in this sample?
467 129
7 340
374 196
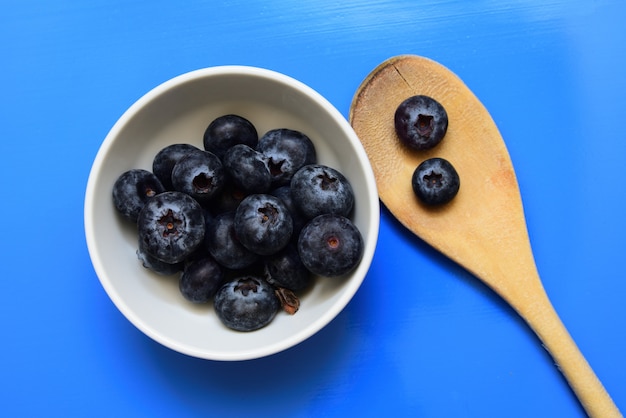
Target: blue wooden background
422 337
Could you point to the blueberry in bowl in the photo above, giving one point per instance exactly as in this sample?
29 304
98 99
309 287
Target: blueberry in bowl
287 150
330 245
165 160
171 227
246 303
133 189
318 189
225 131
247 168
200 174
201 279
263 224
179 111
222 243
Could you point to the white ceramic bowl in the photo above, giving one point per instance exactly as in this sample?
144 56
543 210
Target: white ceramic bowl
178 111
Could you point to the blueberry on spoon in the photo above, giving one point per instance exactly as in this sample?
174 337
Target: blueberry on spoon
421 122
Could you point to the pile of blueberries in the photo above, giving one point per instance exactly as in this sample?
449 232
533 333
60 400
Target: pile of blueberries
421 123
245 223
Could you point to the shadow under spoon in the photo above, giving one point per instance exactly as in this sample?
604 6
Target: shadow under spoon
483 228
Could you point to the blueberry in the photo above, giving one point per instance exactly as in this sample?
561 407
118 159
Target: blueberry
420 122
285 269
166 158
157 266
222 243
132 189
200 280
287 150
330 245
199 174
247 169
228 199
319 189
263 224
171 227
284 194
435 181
228 130
246 303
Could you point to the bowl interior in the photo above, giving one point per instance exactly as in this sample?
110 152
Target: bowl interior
179 111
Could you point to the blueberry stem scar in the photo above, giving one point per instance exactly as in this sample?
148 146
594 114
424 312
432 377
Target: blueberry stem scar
425 124
170 222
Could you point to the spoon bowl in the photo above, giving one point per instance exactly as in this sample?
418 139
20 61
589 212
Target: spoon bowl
483 228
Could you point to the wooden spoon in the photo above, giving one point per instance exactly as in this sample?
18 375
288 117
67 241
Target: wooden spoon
483 228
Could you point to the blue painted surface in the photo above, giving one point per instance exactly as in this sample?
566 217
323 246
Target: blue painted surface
422 337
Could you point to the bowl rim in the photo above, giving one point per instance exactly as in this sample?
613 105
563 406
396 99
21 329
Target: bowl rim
373 222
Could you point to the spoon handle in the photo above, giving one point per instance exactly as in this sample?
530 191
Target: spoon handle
544 320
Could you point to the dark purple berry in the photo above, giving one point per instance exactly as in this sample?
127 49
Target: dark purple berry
285 269
171 227
155 265
263 224
222 243
286 151
199 174
166 158
435 181
227 131
200 280
421 122
246 303
299 220
247 169
318 189
330 245
132 190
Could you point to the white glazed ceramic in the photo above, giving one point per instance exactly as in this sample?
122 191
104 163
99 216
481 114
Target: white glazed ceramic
178 111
